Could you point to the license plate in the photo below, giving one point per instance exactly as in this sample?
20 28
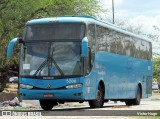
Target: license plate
48 95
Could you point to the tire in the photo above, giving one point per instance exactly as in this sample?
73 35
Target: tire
129 102
98 103
138 97
47 104
135 101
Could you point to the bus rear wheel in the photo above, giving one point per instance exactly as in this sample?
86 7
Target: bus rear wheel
129 102
47 104
99 99
135 101
138 97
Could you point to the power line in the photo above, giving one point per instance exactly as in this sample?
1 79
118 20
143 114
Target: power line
113 10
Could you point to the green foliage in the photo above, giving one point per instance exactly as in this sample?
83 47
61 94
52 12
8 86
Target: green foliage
15 13
156 69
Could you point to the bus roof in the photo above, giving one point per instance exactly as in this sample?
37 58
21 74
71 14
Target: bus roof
84 19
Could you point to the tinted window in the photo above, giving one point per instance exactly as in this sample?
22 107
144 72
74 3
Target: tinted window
55 31
90 34
119 43
51 58
91 39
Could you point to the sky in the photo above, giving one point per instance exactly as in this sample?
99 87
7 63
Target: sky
144 13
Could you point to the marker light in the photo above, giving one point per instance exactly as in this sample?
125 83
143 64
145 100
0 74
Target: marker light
26 86
74 86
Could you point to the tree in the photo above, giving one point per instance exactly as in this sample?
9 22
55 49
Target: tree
156 69
15 13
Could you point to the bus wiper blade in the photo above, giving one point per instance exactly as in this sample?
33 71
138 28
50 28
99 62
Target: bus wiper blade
59 69
52 60
47 60
41 66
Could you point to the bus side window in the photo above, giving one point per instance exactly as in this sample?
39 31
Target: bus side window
90 58
89 61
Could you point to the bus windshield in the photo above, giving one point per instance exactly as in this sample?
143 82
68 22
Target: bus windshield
55 31
51 59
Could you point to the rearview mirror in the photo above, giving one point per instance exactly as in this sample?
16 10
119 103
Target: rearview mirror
84 50
10 47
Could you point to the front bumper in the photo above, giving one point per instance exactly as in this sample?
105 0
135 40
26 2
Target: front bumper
68 94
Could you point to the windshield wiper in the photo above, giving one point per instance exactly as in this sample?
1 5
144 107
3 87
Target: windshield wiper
52 60
41 66
49 60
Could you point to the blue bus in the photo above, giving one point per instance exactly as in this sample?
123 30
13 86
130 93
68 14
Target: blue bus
80 58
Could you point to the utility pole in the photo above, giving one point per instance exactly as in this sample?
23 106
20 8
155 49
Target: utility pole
113 10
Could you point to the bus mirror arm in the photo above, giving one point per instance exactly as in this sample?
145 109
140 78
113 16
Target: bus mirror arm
20 40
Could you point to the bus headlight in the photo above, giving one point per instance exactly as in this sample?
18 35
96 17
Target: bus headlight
74 86
26 86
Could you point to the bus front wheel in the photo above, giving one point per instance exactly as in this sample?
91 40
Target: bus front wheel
47 104
99 99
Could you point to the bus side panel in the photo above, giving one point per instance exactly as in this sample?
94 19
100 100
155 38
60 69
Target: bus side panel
142 69
117 72
122 74
92 80
89 89
147 91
